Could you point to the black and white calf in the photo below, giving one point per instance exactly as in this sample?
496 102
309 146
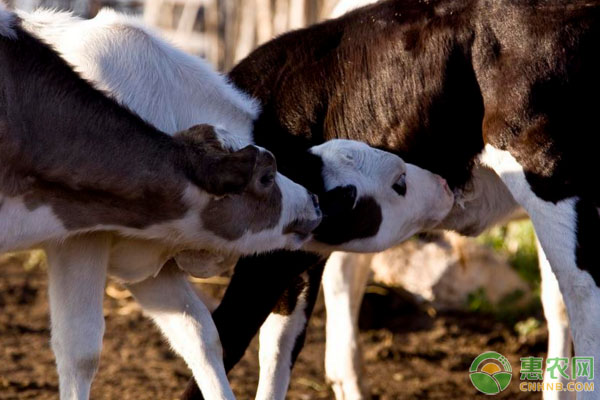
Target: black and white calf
345 278
498 97
140 70
75 163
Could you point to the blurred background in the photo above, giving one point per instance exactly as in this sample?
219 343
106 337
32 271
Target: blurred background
431 306
222 31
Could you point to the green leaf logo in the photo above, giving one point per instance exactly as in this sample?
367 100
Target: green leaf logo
490 372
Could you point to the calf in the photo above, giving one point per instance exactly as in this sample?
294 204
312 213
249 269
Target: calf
495 96
127 60
74 161
345 279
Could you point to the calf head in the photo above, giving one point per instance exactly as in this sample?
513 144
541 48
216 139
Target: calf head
373 200
251 207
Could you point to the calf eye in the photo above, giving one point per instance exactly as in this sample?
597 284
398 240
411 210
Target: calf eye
267 180
400 185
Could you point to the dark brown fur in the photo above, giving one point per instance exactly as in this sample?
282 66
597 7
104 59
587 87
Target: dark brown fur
67 145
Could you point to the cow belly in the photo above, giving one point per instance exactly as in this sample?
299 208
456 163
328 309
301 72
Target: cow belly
204 264
485 201
133 260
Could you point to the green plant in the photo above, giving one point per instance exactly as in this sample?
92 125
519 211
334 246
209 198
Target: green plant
517 241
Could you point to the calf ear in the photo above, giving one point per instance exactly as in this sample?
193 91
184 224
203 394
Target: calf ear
338 200
232 173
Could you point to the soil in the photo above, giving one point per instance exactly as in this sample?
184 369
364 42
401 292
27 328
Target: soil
409 354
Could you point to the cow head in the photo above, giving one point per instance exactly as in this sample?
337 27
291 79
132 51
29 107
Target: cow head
373 200
251 207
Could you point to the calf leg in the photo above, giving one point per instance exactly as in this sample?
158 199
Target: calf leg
183 318
77 275
559 332
344 284
255 288
283 333
568 231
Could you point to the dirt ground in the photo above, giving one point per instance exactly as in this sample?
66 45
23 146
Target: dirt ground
408 354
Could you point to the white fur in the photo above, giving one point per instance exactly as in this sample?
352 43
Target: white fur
21 228
7 22
278 336
373 172
555 225
165 86
183 318
559 332
77 274
344 281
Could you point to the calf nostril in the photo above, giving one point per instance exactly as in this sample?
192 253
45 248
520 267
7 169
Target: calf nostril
442 181
315 202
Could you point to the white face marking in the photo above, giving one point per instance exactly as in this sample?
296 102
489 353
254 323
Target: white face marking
556 226
373 172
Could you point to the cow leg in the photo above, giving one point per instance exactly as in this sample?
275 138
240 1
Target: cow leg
344 282
568 231
255 288
559 332
283 334
171 302
77 275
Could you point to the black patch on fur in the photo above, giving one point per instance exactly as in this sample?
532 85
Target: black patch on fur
338 200
588 239
361 222
289 299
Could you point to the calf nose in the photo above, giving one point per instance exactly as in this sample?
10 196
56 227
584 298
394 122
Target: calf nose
339 200
444 185
303 227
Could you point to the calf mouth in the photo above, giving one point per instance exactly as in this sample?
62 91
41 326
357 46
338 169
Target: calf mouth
302 229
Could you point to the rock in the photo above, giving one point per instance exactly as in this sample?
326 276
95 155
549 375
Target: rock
446 270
